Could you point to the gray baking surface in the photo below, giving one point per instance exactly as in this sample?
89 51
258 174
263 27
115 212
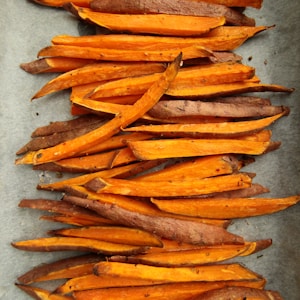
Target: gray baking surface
27 27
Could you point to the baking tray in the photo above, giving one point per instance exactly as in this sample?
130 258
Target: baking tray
27 27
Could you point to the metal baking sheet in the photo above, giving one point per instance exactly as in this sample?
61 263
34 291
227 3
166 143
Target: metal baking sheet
27 27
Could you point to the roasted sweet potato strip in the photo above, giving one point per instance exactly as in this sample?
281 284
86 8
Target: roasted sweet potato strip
175 7
202 75
169 188
76 244
113 234
240 292
228 129
55 64
222 272
237 3
77 145
61 3
96 72
42 294
61 269
201 167
91 281
169 291
227 89
226 208
184 258
162 24
147 42
178 108
118 172
164 226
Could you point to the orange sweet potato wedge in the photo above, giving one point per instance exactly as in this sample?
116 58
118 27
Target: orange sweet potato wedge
61 269
113 234
161 24
225 207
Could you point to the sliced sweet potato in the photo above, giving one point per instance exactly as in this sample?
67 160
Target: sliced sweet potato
112 127
175 7
113 234
207 273
162 24
76 244
61 269
226 208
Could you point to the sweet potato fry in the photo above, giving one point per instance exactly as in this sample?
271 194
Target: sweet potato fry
175 7
169 188
222 272
148 42
41 294
209 130
113 234
77 145
162 24
178 108
226 89
76 244
203 75
164 226
96 72
55 64
184 258
225 208
61 3
237 3
201 167
239 293
167 291
117 172
185 147
61 269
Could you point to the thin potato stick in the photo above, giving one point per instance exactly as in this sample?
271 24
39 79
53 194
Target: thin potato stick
77 145
161 24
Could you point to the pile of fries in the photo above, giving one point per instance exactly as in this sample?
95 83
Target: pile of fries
159 133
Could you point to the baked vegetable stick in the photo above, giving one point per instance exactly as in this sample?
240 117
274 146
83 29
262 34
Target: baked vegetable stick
161 24
164 226
167 291
98 287
42 294
61 269
120 55
236 3
43 142
228 129
62 126
169 188
77 145
202 75
76 244
54 64
61 3
201 167
175 7
96 72
185 147
148 42
222 272
130 204
178 108
225 208
227 89
257 246
184 258
261 136
118 172
123 157
113 234
239 293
